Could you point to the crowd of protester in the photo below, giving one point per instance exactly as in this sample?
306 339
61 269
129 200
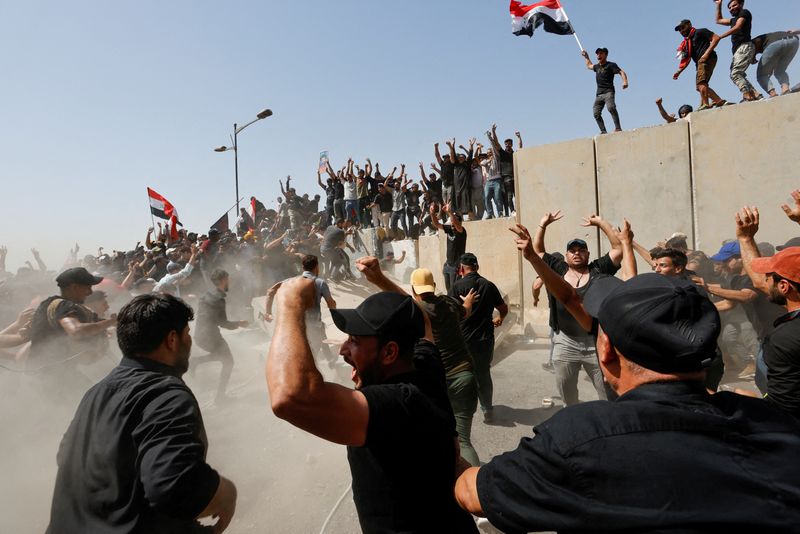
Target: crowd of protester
673 451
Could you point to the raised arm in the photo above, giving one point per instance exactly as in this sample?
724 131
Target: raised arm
746 227
721 21
436 152
589 64
793 212
538 240
519 138
422 174
368 169
319 181
660 103
452 145
555 284
297 391
453 219
492 135
38 259
624 78
643 252
435 218
616 246
625 236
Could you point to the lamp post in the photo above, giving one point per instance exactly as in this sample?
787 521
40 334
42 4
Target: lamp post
263 114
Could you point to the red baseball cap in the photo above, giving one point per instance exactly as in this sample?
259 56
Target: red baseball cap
785 263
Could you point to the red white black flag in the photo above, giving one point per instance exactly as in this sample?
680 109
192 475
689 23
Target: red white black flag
525 19
161 207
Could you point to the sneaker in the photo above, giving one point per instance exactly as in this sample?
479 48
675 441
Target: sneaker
488 415
704 107
720 103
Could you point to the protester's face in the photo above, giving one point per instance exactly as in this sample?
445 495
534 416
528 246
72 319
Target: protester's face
78 292
462 158
509 145
734 6
665 267
683 114
577 256
684 31
601 56
734 265
224 284
362 354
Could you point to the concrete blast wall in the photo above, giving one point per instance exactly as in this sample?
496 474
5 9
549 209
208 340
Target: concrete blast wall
690 176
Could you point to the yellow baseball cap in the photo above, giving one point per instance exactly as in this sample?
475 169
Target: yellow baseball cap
422 281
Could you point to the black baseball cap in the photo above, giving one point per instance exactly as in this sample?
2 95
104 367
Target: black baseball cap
382 314
469 259
662 323
682 23
793 242
77 275
576 241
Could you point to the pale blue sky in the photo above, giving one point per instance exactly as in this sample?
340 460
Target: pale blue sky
101 99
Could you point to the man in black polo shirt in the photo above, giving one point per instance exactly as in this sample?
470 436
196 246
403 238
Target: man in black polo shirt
456 243
397 423
478 327
698 46
134 456
666 455
744 51
605 71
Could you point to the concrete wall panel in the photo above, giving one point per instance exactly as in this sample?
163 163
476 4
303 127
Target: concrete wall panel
431 256
644 175
551 177
492 243
745 155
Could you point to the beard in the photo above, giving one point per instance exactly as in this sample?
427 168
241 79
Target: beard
776 297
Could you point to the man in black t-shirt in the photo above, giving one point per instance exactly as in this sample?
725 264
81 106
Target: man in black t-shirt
744 51
383 200
134 457
478 327
604 72
505 156
65 332
573 346
456 243
397 423
698 46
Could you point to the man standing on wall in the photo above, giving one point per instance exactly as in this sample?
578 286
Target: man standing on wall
605 71
698 46
744 51
506 160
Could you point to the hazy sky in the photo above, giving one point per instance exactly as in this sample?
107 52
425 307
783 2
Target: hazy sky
102 99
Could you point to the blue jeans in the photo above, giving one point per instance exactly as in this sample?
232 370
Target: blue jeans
774 61
493 190
351 210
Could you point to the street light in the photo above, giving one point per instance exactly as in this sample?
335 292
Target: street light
263 114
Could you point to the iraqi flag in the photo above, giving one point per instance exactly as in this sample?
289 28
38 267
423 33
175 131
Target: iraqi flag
525 19
160 207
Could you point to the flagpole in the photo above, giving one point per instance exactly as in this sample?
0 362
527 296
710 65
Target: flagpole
574 33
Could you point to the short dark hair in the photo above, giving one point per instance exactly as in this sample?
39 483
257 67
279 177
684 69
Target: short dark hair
309 262
686 108
218 274
605 50
678 257
144 322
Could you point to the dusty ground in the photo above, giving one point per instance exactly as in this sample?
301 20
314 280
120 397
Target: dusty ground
288 481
